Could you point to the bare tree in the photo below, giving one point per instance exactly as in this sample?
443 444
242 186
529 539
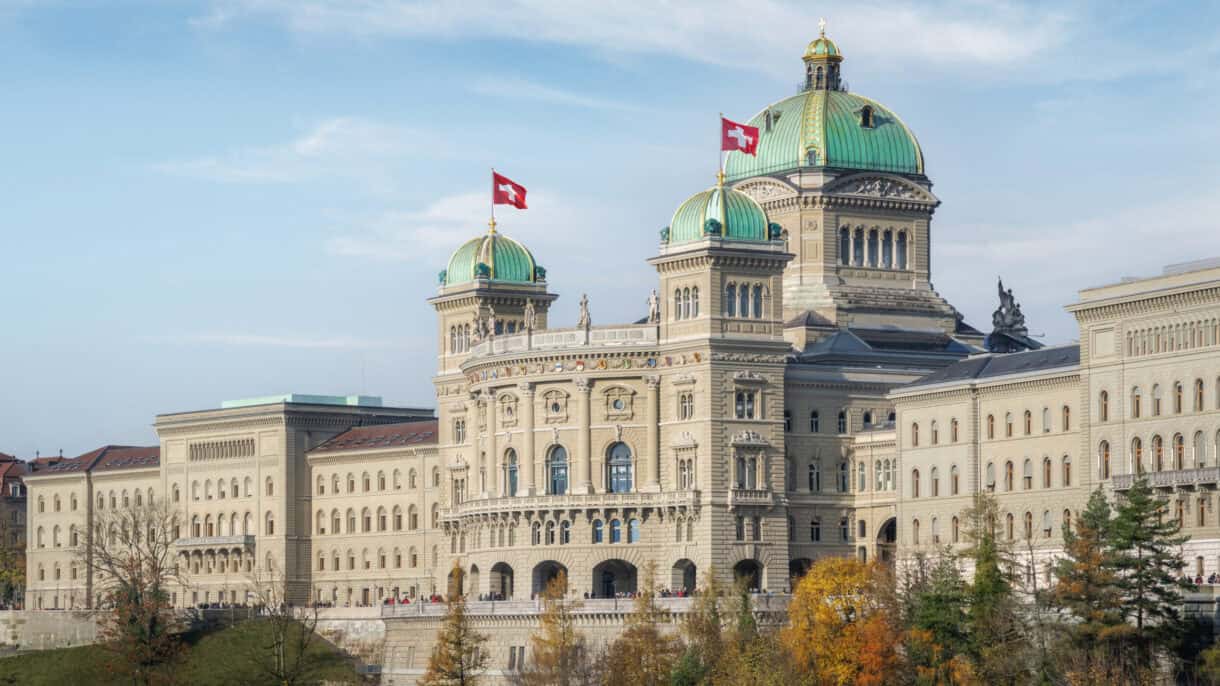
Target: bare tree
129 553
283 640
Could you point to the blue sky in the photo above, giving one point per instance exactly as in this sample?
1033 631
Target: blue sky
211 200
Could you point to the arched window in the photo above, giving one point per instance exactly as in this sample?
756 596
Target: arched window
815 477
351 521
557 468
1008 425
955 530
1027 474
954 481
1029 422
1028 520
381 481
815 424
953 430
900 252
844 246
914 483
914 435
1103 453
510 469
1067 471
1008 526
1135 403
550 533
857 253
616 531
743 296
758 301
1103 406
842 421
1008 475
873 244
677 304
565 532
270 487
1198 395
1046 472
335 522
1046 420
935 482
1066 418
1179 451
382 519
694 302
597 531
269 524
536 533
1158 453
730 300
1177 397
1200 450
915 532
618 468
989 476
633 531
866 118
351 482
990 426
815 530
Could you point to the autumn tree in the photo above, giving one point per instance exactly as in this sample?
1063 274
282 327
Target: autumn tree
646 652
131 552
703 629
458 658
12 562
839 629
559 654
752 654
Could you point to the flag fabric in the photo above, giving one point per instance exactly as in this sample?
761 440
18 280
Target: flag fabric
739 137
505 191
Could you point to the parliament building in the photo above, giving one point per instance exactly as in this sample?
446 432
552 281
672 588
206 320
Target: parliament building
796 389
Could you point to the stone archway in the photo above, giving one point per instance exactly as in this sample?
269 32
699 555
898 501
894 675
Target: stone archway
887 542
683 576
500 581
612 577
543 573
748 573
456 585
798 568
472 586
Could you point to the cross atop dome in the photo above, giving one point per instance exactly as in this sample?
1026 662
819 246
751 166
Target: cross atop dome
822 27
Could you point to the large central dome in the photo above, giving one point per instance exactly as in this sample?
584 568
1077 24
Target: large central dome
825 126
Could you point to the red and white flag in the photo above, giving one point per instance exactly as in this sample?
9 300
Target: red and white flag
505 191
739 137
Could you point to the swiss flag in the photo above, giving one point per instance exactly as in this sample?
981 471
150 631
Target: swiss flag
739 137
505 191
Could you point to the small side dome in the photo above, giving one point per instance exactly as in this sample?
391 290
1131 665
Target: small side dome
492 256
718 211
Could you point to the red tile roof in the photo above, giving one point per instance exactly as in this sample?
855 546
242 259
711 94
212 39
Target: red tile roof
382 436
105 458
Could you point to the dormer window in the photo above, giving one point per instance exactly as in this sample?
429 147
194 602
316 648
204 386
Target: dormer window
866 117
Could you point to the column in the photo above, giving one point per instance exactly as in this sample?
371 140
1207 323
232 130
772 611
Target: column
650 461
584 450
525 464
488 448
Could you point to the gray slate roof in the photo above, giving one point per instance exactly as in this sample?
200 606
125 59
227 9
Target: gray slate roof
990 366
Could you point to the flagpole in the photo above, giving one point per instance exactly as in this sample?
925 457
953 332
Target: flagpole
492 223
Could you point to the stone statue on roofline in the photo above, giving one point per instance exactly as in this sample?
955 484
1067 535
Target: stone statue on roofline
531 315
584 322
1009 333
654 306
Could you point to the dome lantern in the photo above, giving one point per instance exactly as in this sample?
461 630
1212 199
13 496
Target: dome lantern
822 59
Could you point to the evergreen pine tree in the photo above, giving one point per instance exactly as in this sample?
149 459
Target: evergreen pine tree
998 643
1149 567
1086 579
936 640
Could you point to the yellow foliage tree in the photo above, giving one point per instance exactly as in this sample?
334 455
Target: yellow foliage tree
646 652
458 658
559 654
840 630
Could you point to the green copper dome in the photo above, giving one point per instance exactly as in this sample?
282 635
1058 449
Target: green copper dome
718 211
828 128
491 256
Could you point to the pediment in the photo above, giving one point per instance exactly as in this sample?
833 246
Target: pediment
883 186
762 190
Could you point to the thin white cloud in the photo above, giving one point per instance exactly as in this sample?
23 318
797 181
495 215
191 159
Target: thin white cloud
344 147
757 34
1048 264
432 233
522 89
271 341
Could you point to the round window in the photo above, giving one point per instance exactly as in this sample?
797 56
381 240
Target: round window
618 404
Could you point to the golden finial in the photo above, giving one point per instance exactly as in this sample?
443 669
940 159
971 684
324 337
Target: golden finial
491 225
720 178
822 27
